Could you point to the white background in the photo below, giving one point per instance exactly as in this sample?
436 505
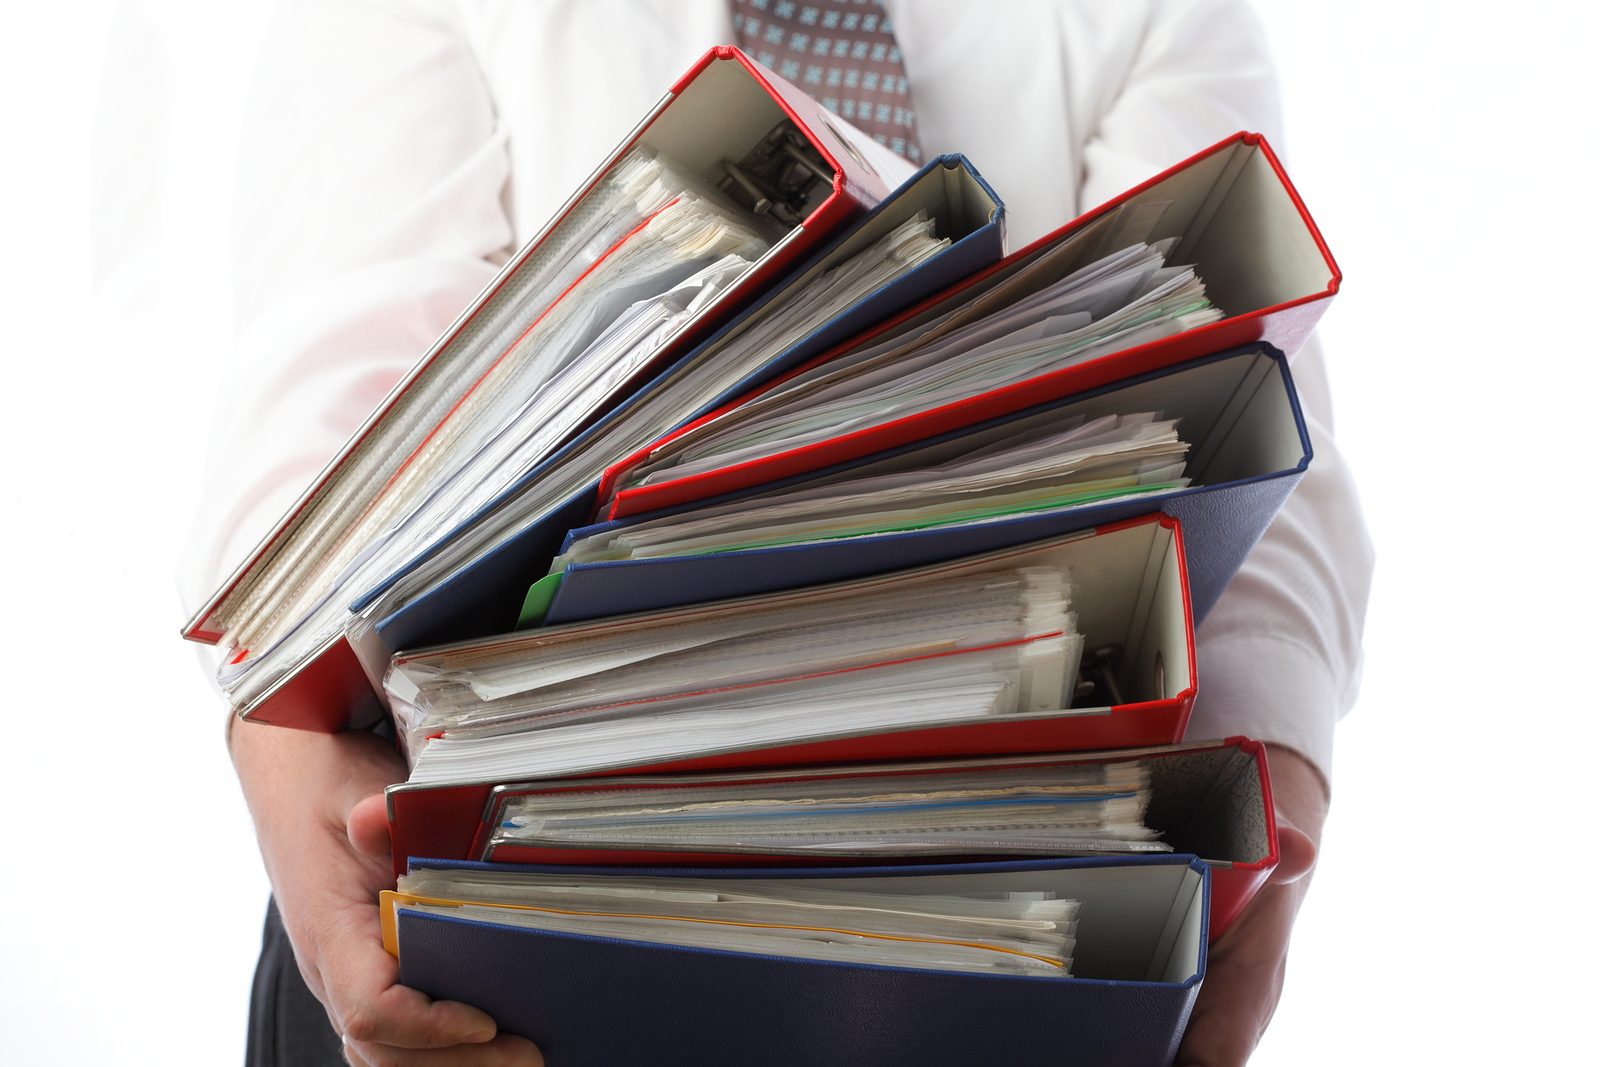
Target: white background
1447 150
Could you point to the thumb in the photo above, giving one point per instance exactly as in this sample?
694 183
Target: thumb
368 827
1297 854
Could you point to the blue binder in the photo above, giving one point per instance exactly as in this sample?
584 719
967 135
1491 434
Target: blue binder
604 1002
486 597
1237 409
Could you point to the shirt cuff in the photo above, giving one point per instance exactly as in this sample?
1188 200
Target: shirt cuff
1269 689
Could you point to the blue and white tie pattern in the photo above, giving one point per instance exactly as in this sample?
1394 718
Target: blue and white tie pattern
841 52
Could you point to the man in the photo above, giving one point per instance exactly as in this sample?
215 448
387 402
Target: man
398 150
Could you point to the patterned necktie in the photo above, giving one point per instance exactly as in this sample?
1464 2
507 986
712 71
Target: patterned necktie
842 53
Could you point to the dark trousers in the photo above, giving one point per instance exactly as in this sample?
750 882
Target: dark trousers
288 1027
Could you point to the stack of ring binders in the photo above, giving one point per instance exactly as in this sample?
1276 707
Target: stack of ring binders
785 601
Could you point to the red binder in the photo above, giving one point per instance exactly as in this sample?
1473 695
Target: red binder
1211 798
1142 558
721 108
1238 219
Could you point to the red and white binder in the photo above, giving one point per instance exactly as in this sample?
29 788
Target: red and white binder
717 112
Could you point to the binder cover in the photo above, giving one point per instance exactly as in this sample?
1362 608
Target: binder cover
1237 218
1238 411
486 597
606 1002
1209 798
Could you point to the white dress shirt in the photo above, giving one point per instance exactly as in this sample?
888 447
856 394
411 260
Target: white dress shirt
396 152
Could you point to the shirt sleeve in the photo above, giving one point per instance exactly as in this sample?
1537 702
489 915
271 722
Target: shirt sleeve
1200 71
1279 656
368 214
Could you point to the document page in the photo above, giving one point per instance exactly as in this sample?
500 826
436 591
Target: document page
775 671
1081 464
1070 810
1123 300
1024 933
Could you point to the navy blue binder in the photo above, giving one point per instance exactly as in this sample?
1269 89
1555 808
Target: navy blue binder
1237 409
604 1002
486 597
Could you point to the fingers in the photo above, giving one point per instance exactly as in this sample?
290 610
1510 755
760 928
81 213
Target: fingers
1296 856
319 810
1300 796
317 800
1244 976
385 1024
366 1002
368 827
404 1018
505 1050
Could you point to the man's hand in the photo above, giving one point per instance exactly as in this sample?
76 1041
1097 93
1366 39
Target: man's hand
317 804
1244 972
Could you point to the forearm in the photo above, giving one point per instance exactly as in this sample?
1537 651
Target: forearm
300 788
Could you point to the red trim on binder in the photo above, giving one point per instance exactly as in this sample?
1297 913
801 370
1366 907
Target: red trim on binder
1258 141
1171 523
